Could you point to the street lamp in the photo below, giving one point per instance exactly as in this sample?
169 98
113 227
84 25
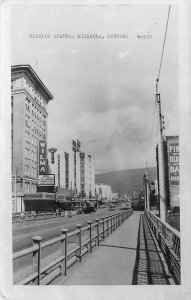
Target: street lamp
52 151
76 148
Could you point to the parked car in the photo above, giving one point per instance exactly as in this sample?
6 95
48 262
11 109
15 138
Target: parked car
111 207
86 210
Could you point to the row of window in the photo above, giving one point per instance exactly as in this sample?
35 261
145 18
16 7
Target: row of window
41 119
30 171
40 132
35 112
34 140
16 84
34 94
30 188
27 120
33 155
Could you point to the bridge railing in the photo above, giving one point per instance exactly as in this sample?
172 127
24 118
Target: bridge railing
94 233
169 242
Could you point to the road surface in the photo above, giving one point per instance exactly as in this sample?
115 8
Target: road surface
22 238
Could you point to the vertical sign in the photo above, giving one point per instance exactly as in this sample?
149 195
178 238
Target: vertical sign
59 170
174 163
43 161
67 170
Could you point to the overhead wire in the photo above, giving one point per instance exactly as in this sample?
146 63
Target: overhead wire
157 81
164 41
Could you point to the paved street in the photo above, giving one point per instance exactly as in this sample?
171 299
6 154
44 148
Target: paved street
22 238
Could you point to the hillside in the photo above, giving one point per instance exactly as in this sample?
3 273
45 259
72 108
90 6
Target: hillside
126 180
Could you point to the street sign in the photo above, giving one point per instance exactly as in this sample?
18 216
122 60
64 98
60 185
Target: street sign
46 179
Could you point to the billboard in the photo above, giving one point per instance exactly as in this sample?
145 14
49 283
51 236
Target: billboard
172 170
173 158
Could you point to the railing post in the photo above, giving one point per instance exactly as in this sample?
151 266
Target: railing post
79 226
111 224
90 230
37 258
103 228
64 232
107 222
97 221
168 258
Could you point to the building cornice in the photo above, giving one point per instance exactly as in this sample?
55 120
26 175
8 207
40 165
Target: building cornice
31 99
34 77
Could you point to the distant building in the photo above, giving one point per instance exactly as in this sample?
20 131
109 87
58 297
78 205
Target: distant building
103 192
74 172
115 196
29 100
87 175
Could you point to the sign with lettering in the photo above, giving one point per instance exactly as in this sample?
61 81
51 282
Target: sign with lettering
59 170
173 157
43 161
46 179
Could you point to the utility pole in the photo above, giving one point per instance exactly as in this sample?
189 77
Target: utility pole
162 194
15 189
147 189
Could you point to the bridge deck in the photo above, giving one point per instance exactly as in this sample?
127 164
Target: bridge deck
130 256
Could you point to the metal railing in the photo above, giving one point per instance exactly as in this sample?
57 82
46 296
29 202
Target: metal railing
169 241
95 232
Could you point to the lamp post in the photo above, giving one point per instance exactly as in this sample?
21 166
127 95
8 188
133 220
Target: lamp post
52 152
75 148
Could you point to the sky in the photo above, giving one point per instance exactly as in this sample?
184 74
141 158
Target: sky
103 88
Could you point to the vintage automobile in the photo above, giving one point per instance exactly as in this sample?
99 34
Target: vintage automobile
86 210
111 207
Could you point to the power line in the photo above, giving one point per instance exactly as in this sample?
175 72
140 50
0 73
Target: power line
164 42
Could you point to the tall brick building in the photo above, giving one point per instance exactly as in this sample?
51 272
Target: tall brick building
29 100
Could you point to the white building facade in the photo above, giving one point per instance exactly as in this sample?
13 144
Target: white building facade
103 192
74 171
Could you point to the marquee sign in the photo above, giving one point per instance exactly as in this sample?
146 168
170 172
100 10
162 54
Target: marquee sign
46 179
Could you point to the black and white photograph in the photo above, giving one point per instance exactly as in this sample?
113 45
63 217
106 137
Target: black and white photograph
94 113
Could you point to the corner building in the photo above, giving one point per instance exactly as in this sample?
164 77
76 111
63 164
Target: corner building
29 100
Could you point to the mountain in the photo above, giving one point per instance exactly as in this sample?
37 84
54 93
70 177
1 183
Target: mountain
125 181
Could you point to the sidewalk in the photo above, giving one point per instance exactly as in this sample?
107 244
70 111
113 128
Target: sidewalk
128 257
